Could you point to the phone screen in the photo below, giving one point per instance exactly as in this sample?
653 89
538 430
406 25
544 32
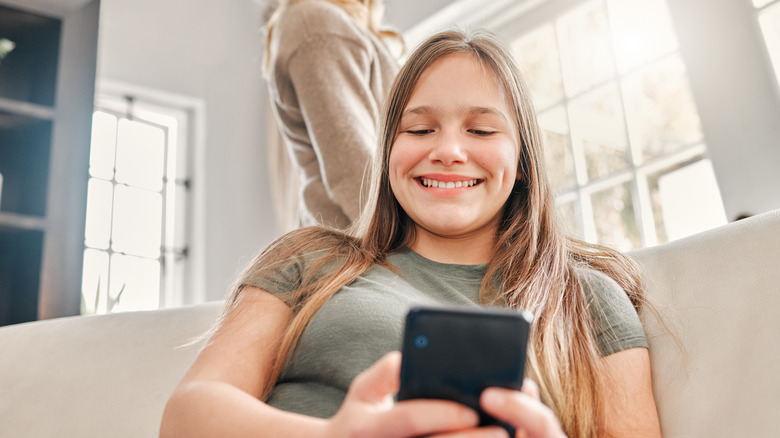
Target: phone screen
455 353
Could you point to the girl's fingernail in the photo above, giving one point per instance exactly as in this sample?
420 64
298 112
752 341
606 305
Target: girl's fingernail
497 432
469 416
493 399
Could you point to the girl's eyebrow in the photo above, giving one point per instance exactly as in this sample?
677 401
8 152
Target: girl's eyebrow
474 110
422 109
486 110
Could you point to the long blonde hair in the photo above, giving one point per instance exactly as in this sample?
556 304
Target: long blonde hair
532 268
367 13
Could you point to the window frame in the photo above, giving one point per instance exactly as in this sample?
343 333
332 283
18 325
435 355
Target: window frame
181 279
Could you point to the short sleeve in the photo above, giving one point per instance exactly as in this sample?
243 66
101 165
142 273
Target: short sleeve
286 277
281 280
617 325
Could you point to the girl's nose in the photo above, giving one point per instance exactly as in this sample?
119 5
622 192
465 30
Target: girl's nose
448 150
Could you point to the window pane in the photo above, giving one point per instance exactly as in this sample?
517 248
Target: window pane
537 54
137 221
687 199
660 110
770 26
140 155
94 280
586 51
642 31
103 146
568 217
560 166
99 200
138 279
613 214
598 130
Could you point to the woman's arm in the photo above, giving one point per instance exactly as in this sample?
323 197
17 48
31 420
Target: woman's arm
218 396
630 409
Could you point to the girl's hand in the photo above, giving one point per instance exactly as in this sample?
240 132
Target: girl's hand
368 409
523 410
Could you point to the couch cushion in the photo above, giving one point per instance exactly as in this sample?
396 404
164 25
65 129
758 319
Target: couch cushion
718 293
95 376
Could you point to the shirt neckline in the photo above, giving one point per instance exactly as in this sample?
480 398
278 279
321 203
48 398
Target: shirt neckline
419 262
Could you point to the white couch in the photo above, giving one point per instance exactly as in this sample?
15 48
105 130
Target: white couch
716 370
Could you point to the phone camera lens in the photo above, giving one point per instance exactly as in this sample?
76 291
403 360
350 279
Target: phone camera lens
420 341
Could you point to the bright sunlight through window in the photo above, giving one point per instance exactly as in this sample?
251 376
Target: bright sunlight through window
625 148
131 244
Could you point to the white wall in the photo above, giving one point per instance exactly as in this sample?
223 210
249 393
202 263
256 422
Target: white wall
207 51
737 96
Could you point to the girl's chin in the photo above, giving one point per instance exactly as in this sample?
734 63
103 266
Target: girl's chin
452 228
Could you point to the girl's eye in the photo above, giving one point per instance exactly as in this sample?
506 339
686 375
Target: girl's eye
420 131
481 132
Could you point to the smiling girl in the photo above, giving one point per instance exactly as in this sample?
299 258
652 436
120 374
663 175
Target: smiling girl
461 213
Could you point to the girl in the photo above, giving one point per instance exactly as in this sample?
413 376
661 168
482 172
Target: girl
461 213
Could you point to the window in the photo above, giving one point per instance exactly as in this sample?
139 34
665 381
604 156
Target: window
135 237
769 21
625 149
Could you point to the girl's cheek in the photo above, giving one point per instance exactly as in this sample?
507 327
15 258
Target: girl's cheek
401 157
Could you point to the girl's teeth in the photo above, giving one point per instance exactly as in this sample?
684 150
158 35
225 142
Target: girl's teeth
448 185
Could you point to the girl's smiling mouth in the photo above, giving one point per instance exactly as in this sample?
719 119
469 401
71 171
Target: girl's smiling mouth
447 181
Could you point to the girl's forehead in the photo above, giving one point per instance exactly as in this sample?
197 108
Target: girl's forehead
463 79
458 65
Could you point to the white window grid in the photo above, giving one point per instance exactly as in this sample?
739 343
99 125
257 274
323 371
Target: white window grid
639 168
174 250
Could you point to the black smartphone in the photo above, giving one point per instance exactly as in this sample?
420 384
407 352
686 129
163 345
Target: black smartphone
456 353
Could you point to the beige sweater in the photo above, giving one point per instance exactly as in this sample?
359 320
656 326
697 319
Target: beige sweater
328 78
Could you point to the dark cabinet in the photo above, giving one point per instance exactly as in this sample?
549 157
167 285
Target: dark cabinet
47 77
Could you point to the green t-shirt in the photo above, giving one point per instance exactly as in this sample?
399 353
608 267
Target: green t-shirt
365 319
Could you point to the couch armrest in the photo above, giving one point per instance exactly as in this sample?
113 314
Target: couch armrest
715 369
96 376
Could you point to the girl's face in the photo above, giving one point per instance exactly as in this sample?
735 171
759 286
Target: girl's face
454 160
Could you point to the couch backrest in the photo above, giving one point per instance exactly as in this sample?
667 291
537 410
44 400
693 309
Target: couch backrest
718 294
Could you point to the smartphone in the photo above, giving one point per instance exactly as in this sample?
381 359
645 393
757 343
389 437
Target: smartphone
455 353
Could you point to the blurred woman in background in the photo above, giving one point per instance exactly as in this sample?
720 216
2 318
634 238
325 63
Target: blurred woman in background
328 71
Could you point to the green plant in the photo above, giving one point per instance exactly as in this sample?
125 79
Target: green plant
6 46
112 302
